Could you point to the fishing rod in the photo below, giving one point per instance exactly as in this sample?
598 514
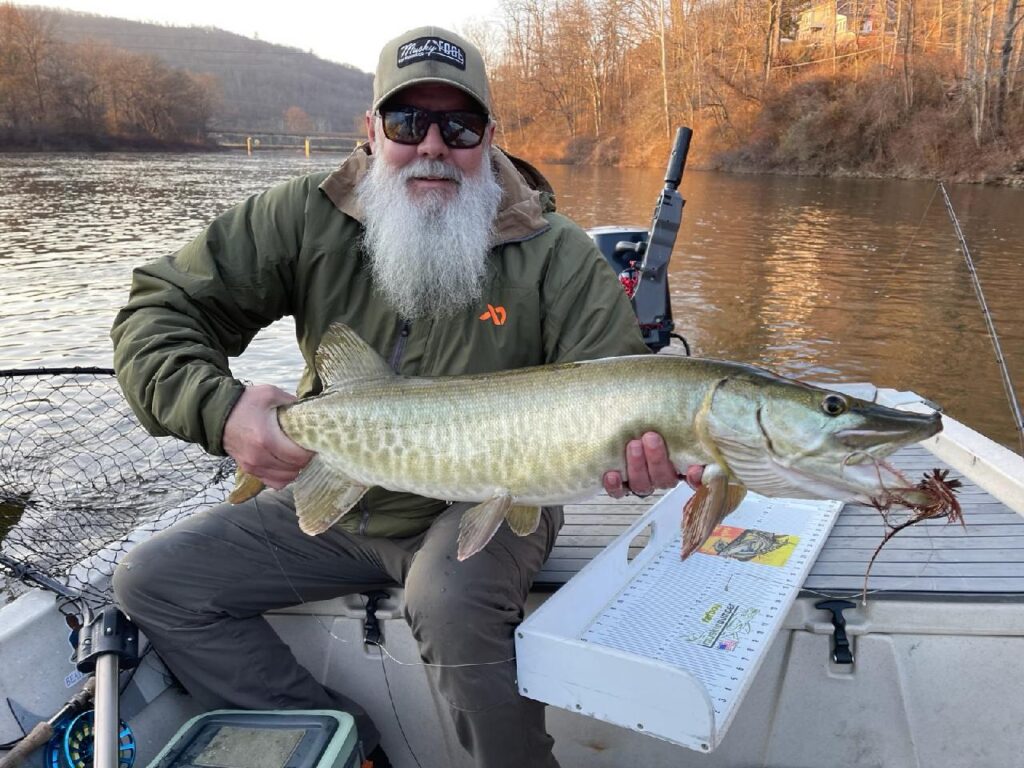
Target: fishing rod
88 730
1000 359
22 748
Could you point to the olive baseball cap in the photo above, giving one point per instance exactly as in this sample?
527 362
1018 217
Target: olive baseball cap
430 55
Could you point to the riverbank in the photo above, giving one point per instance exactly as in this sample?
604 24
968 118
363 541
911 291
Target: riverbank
1007 177
1002 165
87 142
953 157
823 126
927 125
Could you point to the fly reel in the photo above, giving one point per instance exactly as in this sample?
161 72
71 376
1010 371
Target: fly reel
72 744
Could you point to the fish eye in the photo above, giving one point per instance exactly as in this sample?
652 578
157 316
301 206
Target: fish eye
834 405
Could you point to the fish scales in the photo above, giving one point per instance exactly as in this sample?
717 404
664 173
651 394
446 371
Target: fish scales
544 435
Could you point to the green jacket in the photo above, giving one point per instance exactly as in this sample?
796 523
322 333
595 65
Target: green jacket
295 250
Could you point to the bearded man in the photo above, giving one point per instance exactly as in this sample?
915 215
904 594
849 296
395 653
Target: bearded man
446 256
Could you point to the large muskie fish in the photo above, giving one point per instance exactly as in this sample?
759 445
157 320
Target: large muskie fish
516 440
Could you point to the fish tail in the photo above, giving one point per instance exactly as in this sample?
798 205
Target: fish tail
246 486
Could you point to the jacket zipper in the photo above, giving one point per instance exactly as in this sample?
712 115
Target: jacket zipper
396 354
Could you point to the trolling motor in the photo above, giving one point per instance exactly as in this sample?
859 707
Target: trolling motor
640 257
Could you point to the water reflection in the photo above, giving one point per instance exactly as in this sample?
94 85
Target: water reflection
841 279
827 279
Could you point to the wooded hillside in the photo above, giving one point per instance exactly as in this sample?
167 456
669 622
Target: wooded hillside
892 87
258 81
73 74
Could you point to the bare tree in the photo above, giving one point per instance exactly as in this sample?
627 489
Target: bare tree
1002 91
986 60
834 24
297 120
664 67
908 52
585 65
772 38
28 36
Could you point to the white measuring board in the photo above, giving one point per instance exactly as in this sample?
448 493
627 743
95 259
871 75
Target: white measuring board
697 628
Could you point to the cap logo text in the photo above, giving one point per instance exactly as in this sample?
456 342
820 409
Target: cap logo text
436 48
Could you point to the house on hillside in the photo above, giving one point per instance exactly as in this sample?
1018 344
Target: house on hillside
849 19
820 21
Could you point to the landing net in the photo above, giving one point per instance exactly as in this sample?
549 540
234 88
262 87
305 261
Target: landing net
80 481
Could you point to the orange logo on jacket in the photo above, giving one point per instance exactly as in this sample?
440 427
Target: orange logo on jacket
496 315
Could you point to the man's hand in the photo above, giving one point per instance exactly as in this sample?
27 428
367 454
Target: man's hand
648 467
253 438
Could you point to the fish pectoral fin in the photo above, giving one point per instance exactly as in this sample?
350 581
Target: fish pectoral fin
523 520
480 523
246 486
343 357
323 496
708 506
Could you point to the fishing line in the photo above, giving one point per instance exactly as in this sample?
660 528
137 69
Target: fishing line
381 649
843 596
1000 359
443 666
394 708
913 237
291 586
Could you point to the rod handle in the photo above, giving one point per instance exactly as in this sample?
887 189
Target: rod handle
35 739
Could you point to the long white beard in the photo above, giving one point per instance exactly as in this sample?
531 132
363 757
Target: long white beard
428 253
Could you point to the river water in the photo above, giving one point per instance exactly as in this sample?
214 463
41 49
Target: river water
822 279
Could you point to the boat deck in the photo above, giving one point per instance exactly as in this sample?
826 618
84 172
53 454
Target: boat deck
983 559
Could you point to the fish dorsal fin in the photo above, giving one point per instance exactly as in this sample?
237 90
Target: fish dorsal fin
343 357
323 496
708 506
523 520
479 524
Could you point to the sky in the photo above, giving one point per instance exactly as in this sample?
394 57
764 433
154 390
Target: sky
343 31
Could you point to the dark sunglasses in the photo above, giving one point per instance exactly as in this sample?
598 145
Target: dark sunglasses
460 129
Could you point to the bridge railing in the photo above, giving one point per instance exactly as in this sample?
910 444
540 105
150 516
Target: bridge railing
253 141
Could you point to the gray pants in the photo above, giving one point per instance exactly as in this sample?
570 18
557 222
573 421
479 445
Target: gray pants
198 591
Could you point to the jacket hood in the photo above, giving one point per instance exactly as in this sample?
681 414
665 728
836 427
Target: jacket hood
526 194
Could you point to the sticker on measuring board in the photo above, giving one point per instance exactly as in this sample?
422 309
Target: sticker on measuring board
750 545
727 624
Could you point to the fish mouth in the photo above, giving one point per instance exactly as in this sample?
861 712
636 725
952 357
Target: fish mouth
893 432
859 477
